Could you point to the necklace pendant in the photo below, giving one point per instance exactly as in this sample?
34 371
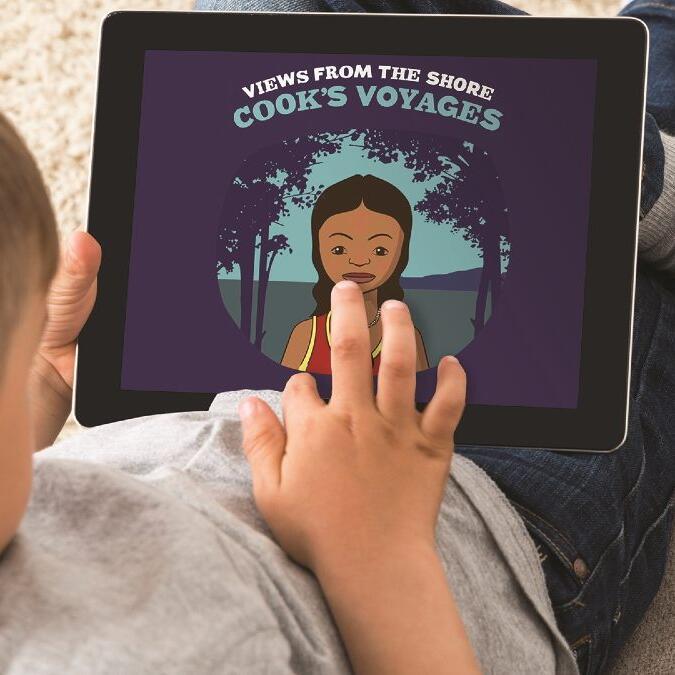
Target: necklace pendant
376 319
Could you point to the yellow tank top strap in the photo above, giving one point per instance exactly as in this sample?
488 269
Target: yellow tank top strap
330 312
310 346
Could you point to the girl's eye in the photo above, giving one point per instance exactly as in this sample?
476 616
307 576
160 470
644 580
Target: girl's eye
338 250
381 250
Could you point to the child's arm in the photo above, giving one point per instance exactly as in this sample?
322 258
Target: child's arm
69 303
396 613
352 489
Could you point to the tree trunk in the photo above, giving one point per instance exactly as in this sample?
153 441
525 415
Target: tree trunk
490 281
481 299
496 274
263 275
246 263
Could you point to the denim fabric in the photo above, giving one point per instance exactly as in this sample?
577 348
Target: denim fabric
601 523
659 15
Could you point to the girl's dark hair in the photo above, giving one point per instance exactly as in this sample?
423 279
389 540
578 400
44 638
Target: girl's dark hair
348 194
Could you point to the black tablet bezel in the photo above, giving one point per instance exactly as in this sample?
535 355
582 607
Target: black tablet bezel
618 45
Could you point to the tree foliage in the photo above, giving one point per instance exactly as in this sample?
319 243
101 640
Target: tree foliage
464 194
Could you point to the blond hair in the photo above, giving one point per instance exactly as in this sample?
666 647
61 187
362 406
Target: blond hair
29 245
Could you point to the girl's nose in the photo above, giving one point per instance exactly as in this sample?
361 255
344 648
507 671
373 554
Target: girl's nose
359 263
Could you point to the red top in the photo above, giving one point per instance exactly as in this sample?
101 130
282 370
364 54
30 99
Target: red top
317 357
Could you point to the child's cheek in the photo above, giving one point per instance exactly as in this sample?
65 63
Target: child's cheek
16 464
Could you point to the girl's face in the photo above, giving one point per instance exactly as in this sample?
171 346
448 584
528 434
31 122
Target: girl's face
362 246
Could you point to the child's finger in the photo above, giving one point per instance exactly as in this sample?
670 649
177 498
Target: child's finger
82 255
396 376
300 398
351 362
444 411
73 290
264 440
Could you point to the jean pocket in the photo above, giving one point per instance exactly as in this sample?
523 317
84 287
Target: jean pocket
564 567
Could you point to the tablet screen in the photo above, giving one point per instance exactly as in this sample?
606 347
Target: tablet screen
460 185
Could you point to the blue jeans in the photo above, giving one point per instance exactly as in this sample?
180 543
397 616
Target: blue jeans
601 523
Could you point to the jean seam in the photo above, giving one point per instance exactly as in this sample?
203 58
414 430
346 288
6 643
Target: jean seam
638 480
543 520
577 644
589 661
549 541
576 601
584 640
650 349
640 392
655 523
589 658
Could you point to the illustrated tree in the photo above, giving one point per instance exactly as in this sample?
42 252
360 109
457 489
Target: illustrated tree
266 184
465 195
237 244
472 203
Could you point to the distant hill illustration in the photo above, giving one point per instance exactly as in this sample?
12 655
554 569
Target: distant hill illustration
464 280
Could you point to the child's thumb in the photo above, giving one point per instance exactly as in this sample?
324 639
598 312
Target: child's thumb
264 440
81 261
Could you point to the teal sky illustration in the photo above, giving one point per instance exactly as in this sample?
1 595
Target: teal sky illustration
434 249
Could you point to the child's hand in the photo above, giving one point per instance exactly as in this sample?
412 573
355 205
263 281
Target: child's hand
69 303
363 476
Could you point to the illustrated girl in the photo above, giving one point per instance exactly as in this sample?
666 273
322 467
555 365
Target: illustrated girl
360 232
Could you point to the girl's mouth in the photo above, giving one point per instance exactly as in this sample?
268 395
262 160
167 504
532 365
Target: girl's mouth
358 277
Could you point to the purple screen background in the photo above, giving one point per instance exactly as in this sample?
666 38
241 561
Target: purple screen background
178 335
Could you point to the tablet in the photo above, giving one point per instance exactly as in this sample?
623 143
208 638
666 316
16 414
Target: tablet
483 169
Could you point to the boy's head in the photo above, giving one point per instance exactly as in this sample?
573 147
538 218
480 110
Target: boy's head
29 253
29 247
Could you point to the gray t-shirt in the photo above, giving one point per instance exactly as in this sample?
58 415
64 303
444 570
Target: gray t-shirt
142 552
